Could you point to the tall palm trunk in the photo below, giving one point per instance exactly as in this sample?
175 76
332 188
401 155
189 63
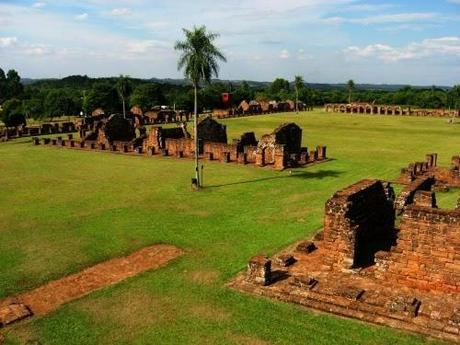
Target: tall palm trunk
296 100
349 96
124 110
195 122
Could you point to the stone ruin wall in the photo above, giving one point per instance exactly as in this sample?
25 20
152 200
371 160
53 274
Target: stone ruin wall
383 109
449 177
280 149
427 254
355 217
359 230
406 196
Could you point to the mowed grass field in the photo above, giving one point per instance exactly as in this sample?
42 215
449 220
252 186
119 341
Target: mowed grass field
63 210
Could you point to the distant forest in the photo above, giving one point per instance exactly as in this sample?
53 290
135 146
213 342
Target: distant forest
49 98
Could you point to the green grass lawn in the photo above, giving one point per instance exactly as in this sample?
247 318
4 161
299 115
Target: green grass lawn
63 210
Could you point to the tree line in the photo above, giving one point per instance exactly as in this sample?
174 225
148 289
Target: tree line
47 99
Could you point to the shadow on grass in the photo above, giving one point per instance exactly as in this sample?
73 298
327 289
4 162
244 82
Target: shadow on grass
294 174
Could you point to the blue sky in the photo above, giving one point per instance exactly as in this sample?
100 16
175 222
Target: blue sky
406 41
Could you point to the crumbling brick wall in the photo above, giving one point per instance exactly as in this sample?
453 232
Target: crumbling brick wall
427 254
290 135
406 196
157 137
359 221
211 130
184 145
219 149
450 177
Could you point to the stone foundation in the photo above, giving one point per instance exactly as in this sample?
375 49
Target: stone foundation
360 266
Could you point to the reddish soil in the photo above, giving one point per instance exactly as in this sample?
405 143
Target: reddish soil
50 296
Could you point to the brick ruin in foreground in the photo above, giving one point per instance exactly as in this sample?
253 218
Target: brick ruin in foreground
280 149
362 266
381 109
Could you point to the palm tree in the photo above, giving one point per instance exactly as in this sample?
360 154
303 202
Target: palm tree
351 87
124 89
199 59
298 83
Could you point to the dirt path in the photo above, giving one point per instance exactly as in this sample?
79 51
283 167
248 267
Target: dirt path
55 293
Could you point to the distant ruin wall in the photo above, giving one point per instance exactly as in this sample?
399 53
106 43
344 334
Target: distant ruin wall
383 109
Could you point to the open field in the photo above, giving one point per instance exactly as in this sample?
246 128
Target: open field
64 210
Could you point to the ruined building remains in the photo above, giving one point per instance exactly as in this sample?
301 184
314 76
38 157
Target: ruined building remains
380 109
280 149
362 266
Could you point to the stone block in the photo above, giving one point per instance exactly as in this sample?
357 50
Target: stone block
407 306
306 247
285 260
425 199
259 270
225 157
242 158
13 313
304 282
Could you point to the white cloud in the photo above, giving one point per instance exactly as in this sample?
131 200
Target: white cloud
454 1
37 50
386 18
142 47
81 17
121 12
447 46
39 5
284 54
6 42
16 47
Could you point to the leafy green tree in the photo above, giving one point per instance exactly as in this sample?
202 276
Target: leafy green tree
59 103
147 96
200 61
279 89
182 98
124 89
103 95
453 98
33 108
10 85
350 87
243 92
12 113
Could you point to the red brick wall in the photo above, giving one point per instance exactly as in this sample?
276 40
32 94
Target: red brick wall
357 219
218 149
427 254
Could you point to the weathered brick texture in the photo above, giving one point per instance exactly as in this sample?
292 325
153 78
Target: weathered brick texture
359 220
